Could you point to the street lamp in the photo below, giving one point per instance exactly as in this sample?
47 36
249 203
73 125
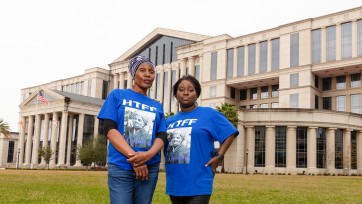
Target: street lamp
17 162
246 168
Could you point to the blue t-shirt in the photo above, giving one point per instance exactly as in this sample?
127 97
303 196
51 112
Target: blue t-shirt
191 137
138 119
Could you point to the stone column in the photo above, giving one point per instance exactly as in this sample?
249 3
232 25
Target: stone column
183 67
269 58
312 151
338 41
191 66
291 150
115 80
330 152
250 148
270 150
53 141
29 140
21 140
129 80
201 64
323 44
46 134
63 137
257 58
80 136
359 153
96 126
347 152
70 139
35 155
354 38
121 80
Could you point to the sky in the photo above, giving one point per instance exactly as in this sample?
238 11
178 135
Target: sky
46 40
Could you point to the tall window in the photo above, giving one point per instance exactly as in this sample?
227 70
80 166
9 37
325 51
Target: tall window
280 146
338 149
341 103
263 59
264 92
294 50
294 80
346 40
10 152
301 156
331 43
243 94
294 101
327 103
241 61
327 84
356 103
275 90
341 82
230 63
259 147
251 59
275 54
353 150
253 93
359 37
213 72
316 102
232 93
321 148
316 46
355 80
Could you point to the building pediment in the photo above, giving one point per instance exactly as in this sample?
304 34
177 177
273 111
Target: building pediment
48 94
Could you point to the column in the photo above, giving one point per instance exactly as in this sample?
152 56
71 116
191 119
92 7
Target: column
250 147
96 126
53 141
183 67
235 63
257 58
121 80
338 42
35 155
330 152
359 153
46 134
129 80
347 151
63 137
21 140
70 139
115 80
312 151
354 39
246 60
269 58
201 64
191 66
29 140
270 150
323 44
80 137
291 150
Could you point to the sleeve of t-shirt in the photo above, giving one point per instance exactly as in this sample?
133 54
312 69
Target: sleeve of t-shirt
222 127
109 109
162 124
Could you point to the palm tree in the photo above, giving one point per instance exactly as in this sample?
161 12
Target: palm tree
4 128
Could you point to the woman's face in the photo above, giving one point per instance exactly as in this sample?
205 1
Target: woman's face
144 77
186 94
176 139
138 122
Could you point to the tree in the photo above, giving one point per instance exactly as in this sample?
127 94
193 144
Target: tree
4 128
93 151
46 153
169 114
230 111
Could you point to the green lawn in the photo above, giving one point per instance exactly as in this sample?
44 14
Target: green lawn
40 186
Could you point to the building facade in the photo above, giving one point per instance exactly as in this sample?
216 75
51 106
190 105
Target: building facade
298 87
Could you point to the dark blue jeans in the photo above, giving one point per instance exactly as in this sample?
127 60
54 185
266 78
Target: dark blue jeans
125 188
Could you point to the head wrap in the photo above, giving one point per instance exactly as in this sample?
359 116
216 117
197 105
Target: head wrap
136 61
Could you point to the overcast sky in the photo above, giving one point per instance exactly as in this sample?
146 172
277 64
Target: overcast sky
46 40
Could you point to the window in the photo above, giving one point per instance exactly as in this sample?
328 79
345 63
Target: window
259 157
359 37
212 91
275 105
355 80
327 103
275 90
294 80
301 156
104 89
264 92
280 146
253 106
11 152
275 54
241 61
321 148
316 102
263 59
353 150
197 72
356 103
232 92
264 105
327 84
243 94
294 50
173 81
331 43
338 149
294 101
346 40
229 63
156 56
316 46
253 93
251 59
316 81
341 82
341 103
213 72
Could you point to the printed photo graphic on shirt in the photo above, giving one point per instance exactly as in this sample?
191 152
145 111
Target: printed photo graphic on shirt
179 146
138 127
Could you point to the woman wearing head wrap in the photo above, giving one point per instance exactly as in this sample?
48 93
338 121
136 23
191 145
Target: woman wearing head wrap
133 159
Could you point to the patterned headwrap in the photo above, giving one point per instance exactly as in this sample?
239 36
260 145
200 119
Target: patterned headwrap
136 61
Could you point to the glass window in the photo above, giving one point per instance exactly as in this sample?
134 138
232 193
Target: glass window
275 105
316 46
251 59
104 89
353 150
338 149
232 92
294 50
275 90
264 92
259 158
301 156
316 102
243 94
294 80
355 80
356 103
241 61
321 148
11 151
331 43
275 54
264 105
346 40
327 84
327 103
213 72
341 82
280 146
230 63
253 93
359 37
316 81
294 100
263 58
253 106
212 91
341 103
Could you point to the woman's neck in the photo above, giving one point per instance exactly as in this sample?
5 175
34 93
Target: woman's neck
139 90
188 109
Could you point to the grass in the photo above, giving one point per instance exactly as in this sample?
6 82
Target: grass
41 186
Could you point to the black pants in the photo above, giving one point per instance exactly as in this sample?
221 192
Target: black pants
201 199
